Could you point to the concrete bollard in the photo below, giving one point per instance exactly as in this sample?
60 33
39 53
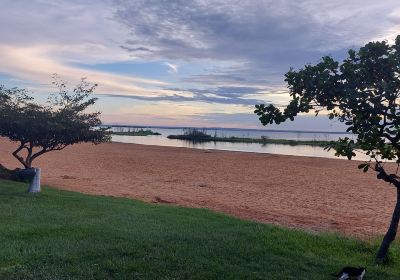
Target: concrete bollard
34 185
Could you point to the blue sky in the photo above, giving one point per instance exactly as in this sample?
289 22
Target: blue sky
183 63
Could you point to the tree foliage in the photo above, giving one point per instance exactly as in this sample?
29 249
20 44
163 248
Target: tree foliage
40 128
363 92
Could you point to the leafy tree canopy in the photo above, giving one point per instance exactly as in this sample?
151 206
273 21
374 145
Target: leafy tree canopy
40 128
364 93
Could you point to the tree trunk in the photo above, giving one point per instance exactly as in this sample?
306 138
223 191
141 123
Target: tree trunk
34 185
390 235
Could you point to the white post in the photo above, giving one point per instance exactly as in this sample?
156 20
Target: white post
34 186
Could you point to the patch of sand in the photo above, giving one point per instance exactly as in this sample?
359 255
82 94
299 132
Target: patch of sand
315 194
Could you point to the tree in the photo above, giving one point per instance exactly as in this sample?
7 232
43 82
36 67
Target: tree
42 128
363 92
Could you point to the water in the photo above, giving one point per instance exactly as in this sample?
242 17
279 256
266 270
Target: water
298 150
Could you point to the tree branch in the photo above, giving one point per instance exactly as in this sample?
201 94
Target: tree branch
18 157
389 178
41 152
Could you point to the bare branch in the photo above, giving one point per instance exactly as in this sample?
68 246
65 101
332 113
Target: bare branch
18 157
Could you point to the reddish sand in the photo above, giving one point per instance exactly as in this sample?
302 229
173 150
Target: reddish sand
311 193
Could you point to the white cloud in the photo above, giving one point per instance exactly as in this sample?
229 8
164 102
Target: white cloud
38 64
173 67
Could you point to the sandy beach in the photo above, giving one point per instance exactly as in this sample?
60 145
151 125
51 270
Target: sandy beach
315 194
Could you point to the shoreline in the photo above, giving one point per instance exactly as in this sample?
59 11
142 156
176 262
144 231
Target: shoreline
334 197
242 151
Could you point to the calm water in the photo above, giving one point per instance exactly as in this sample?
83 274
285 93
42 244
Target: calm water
298 150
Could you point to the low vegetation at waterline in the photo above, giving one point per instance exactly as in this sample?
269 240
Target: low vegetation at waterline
197 135
136 132
64 235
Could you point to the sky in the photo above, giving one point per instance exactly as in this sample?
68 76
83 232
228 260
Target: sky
184 63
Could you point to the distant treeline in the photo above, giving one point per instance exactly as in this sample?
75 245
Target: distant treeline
135 132
201 135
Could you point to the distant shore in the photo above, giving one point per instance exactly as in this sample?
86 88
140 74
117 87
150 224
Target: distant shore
137 132
234 139
228 128
315 194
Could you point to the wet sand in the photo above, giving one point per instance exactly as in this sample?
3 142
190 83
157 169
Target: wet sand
315 194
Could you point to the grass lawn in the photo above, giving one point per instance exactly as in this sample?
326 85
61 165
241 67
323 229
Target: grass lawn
66 235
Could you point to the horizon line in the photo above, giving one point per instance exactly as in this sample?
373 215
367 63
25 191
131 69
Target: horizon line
225 128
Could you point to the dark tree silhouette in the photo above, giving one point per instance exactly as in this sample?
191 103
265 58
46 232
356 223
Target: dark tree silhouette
41 128
364 93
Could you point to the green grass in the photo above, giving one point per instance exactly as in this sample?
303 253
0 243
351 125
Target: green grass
66 235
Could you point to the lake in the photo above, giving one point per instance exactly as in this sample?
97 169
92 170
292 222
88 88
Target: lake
297 150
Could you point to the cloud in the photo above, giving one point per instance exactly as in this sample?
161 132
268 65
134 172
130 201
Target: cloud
221 53
37 64
263 38
246 96
173 67
44 37
244 30
83 31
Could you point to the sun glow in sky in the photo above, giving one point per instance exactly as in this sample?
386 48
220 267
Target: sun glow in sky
183 63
